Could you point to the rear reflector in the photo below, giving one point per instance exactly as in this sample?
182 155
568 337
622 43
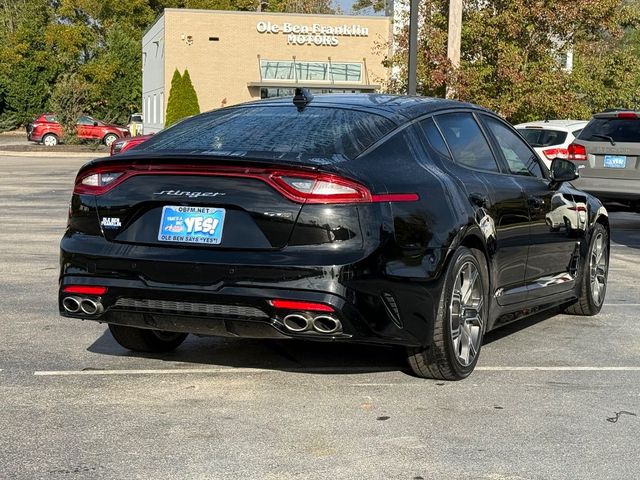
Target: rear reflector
85 289
304 306
577 152
552 153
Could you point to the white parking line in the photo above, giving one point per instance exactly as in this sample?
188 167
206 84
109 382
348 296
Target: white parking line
559 369
240 371
621 305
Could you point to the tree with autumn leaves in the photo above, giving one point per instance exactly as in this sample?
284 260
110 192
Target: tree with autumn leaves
92 45
511 56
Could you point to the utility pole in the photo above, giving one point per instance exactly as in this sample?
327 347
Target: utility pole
455 36
413 47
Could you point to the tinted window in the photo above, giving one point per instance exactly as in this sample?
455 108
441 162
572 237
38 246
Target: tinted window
520 158
434 137
537 137
51 118
466 141
317 134
85 120
575 133
619 129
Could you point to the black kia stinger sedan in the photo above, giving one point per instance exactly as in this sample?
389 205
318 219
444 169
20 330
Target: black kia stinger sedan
409 221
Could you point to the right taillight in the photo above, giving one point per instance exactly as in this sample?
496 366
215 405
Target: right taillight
577 152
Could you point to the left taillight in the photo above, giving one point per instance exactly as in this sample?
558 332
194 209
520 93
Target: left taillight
96 182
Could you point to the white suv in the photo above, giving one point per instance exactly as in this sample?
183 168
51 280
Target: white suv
550 138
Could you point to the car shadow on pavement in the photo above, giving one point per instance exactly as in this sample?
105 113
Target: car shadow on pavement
625 226
292 355
284 355
519 325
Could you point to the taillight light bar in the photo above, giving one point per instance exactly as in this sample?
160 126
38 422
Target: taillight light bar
85 289
577 152
296 185
304 306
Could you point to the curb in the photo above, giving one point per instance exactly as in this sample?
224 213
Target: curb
10 153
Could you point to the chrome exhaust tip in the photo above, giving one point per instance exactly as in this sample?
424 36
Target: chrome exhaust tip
90 307
326 324
71 304
296 322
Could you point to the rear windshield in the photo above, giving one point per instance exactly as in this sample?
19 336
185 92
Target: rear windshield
315 135
618 129
537 137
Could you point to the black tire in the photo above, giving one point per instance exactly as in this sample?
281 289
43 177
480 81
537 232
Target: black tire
440 360
109 138
587 304
143 340
50 140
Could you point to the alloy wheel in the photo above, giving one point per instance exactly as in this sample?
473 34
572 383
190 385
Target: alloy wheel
466 314
598 266
50 141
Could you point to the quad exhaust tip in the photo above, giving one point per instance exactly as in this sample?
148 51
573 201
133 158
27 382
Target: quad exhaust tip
71 304
326 324
299 322
87 306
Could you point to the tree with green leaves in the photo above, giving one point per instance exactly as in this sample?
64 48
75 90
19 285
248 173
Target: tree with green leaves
511 53
183 100
174 103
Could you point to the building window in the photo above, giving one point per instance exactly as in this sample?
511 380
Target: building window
161 113
155 108
295 71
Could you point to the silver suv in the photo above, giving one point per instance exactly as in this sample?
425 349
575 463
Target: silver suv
607 152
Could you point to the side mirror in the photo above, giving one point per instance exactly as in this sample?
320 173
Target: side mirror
562 171
95 124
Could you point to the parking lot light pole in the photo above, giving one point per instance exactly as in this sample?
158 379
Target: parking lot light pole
413 47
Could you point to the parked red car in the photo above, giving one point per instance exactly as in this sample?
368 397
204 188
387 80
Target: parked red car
123 144
47 130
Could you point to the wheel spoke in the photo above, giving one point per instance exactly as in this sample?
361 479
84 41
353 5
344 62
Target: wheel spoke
471 279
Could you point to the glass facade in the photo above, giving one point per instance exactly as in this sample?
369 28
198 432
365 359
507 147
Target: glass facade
294 71
271 92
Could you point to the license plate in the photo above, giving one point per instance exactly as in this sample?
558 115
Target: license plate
201 225
615 161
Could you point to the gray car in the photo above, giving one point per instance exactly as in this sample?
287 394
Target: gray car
607 152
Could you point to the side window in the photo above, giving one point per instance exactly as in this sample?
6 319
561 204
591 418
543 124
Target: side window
84 120
434 137
466 141
520 158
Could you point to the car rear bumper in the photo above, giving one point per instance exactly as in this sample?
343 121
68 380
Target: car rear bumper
610 189
232 299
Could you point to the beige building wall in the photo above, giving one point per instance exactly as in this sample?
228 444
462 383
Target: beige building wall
222 49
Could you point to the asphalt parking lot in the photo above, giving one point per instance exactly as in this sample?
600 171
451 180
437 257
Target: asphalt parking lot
553 397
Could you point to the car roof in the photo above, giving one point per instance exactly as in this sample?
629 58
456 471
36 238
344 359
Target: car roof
402 107
566 125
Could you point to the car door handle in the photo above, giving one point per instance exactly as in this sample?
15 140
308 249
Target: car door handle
535 202
478 199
